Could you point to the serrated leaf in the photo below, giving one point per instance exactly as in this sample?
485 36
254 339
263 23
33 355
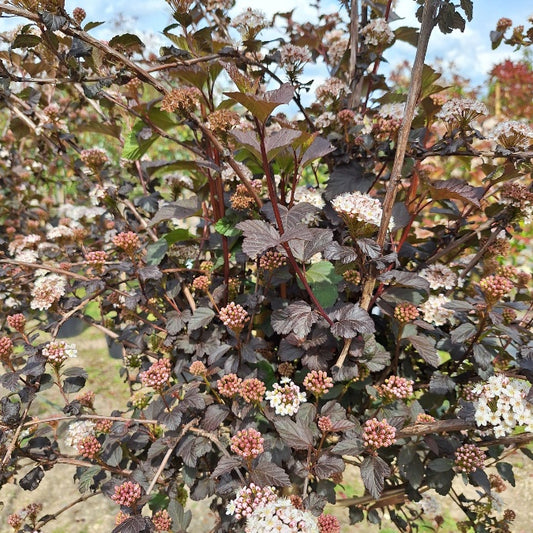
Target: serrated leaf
25 40
179 209
294 435
318 148
335 252
214 416
150 272
226 226
259 236
347 178
374 470
441 384
457 189
351 320
425 346
296 318
328 465
200 318
442 464
53 22
156 252
405 279
226 465
280 139
79 49
127 40
267 474
462 333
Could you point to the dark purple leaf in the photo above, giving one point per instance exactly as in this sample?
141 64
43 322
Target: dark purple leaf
11 381
282 95
462 333
405 279
150 272
32 479
182 208
328 465
347 178
425 346
280 139
294 435
296 318
174 322
248 139
351 320
258 237
441 384
456 189
506 471
374 470
200 318
214 416
226 464
369 247
134 524
335 252
267 474
318 148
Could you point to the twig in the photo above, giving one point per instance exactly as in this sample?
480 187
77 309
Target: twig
49 517
354 42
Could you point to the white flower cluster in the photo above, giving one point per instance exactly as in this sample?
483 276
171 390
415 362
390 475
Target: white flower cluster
250 20
377 32
501 402
47 290
294 57
27 256
77 212
336 43
313 197
356 205
396 111
78 431
325 120
58 232
462 110
440 277
434 310
513 134
331 89
286 398
281 516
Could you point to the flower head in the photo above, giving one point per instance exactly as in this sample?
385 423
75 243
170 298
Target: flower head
317 382
127 494
249 498
47 290
89 447
377 32
496 287
128 241
434 311
6 348
406 312
439 277
158 375
162 520
286 397
468 458
271 260
94 158
395 388
378 434
57 352
184 100
460 112
201 283
77 431
247 443
198 368
229 385
513 134
293 57
252 390
327 523
331 89
234 316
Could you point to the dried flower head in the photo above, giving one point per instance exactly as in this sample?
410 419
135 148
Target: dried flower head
460 112
127 494
504 24
352 276
247 443
234 316
198 368
513 134
286 397
317 382
378 434
497 483
158 375
468 458
229 385
252 390
286 369
94 158
183 100
222 120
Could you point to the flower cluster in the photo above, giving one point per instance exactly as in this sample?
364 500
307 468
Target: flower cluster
497 483
406 312
378 434
377 33
468 458
325 424
317 382
395 388
496 287
439 277
280 515
250 22
249 498
242 200
331 89
252 390
234 316
222 120
184 100
29 513
271 260
229 385
6 348
352 276
96 259
460 112
327 523
89 447
201 283
103 425
77 431
158 375
293 57
127 494
94 158
311 196
128 241
513 134
434 311
198 368
424 418
286 397
336 44
162 520
79 14
247 443
501 402
57 352
47 290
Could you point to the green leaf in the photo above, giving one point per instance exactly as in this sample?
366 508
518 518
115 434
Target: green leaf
25 40
178 235
407 34
127 40
226 226
92 25
322 271
156 252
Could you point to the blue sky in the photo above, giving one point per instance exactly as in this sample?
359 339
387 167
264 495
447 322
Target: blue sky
470 51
